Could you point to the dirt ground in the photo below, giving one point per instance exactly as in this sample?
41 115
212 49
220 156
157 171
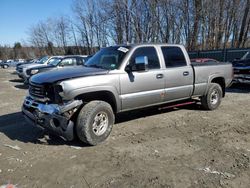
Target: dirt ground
185 147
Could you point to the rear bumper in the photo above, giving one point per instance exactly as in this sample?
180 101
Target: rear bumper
49 117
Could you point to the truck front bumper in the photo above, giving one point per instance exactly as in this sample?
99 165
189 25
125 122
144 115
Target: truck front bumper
20 75
50 117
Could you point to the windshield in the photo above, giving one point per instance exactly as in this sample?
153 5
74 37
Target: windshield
108 58
246 56
42 60
54 61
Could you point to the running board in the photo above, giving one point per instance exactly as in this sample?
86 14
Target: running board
177 105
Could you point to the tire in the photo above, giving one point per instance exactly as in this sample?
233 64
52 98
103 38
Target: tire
89 128
212 99
5 66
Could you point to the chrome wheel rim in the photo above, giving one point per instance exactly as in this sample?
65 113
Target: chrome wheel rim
214 97
100 123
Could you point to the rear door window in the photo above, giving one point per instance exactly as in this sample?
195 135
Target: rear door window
173 57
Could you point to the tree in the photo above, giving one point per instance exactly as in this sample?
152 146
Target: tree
17 50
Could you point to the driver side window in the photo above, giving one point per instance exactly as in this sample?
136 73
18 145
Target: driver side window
68 62
150 52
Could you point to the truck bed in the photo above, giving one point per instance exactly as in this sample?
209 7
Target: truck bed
205 72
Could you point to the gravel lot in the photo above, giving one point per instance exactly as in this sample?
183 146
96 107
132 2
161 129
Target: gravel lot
185 147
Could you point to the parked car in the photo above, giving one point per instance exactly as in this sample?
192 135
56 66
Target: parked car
21 69
28 61
1 63
8 64
20 60
242 69
55 63
83 100
203 60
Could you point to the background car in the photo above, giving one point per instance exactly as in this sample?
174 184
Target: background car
21 68
242 69
8 63
28 61
56 63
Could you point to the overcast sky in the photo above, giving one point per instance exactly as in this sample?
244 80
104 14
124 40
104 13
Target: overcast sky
17 16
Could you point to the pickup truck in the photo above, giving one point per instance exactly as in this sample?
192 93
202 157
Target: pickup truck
242 69
83 101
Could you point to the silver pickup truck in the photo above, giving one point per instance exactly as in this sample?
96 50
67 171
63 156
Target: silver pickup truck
82 101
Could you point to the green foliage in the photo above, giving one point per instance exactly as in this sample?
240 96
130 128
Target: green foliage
17 45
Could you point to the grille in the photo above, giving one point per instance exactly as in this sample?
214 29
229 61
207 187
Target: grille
37 90
242 71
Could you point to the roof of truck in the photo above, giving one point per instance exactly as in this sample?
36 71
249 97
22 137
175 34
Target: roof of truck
145 44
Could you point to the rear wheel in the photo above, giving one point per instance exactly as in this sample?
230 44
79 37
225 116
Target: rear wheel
5 66
95 122
212 99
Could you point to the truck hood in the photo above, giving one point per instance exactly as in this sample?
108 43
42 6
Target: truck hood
65 73
28 66
42 66
241 63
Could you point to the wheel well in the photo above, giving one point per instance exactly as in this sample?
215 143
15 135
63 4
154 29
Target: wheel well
221 82
106 96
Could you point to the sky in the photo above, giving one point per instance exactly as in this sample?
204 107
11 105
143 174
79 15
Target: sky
17 16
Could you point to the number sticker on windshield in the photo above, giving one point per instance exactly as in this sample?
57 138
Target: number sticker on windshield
123 49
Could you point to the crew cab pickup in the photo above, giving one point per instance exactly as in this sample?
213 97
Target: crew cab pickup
82 101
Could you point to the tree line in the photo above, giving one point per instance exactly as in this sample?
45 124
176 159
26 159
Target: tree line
197 24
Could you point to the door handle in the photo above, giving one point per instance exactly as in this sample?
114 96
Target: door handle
159 76
186 73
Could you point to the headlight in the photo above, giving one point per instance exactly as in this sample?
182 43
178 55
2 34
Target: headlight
34 71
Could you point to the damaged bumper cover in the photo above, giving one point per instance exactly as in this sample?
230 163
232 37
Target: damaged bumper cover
51 116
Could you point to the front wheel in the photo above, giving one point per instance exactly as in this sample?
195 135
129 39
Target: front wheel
95 122
5 66
212 99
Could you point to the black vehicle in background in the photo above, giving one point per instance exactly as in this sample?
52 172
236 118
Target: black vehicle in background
242 69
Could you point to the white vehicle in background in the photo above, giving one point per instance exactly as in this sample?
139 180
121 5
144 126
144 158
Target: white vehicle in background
21 70
20 60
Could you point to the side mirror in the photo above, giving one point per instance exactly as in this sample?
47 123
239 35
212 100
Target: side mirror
128 69
141 63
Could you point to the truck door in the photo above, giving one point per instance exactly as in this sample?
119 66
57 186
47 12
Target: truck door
141 88
178 74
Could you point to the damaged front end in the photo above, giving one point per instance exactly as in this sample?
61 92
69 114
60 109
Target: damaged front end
55 117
